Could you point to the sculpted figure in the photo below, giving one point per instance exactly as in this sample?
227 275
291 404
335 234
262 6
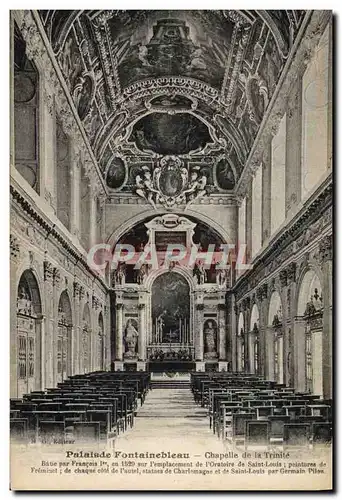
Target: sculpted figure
131 338
210 340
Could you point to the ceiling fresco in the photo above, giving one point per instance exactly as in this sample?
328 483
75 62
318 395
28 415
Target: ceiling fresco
186 90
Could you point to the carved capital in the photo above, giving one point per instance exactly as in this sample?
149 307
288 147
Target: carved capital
14 247
291 272
283 278
95 302
48 271
56 276
325 248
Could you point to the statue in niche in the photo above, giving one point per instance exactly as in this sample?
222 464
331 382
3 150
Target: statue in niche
222 276
142 274
120 274
210 339
24 302
200 273
131 339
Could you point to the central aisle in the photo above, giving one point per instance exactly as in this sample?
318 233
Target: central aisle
170 417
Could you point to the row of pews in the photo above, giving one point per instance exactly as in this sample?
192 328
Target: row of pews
246 409
92 407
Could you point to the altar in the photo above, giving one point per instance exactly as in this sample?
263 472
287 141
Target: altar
173 317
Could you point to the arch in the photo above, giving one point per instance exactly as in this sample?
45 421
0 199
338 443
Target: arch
86 340
64 337
64 305
100 321
28 285
136 219
310 281
153 275
241 324
274 307
28 334
254 317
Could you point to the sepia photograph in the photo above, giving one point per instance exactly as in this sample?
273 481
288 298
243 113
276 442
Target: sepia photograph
171 250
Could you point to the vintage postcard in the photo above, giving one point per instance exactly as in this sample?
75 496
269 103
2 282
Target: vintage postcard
171 249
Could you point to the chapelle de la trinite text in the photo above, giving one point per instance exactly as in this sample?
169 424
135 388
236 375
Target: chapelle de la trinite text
168 454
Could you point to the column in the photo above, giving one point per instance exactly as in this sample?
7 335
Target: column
299 354
47 154
107 336
290 314
142 333
266 193
199 332
92 215
75 222
249 213
293 147
325 251
40 322
222 331
234 312
50 320
56 293
269 353
15 256
119 331
262 306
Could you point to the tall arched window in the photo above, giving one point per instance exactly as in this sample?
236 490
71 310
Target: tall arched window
315 100
253 341
64 330
310 314
275 339
26 107
28 333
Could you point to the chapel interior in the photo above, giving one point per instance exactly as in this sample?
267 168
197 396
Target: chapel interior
195 128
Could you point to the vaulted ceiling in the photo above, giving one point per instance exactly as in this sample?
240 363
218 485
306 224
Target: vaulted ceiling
194 84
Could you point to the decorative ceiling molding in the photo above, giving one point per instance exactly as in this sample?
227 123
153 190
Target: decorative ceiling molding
38 49
308 37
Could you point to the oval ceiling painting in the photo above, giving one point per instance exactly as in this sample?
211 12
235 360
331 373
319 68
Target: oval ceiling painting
170 134
225 175
116 174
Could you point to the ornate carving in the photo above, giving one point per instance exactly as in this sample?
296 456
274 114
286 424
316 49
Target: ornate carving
170 183
14 247
283 278
291 272
48 271
95 302
325 248
56 276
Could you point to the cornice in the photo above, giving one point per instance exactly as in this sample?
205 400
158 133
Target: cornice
305 227
308 37
52 231
39 49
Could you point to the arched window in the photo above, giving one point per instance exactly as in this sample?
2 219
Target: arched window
310 316
28 333
275 339
253 341
64 330
26 107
